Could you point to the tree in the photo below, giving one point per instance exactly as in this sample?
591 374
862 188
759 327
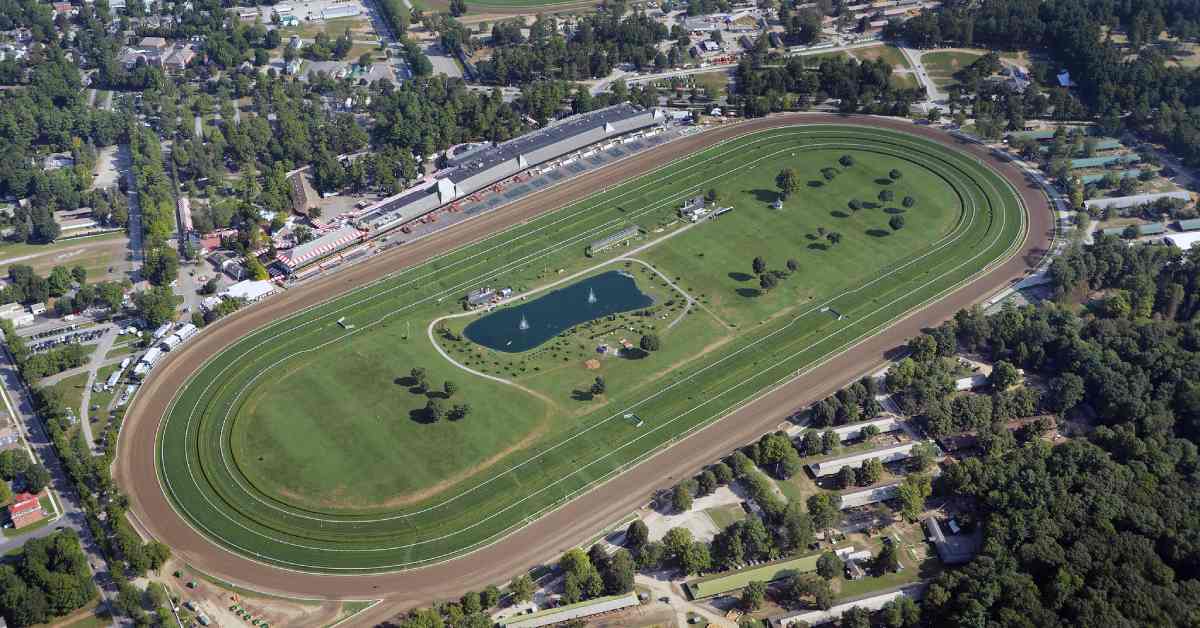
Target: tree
767 282
434 410
759 265
908 202
871 471
618 574
59 281
650 342
846 477
490 597
707 481
521 589
449 388
156 305
895 174
256 269
846 160
886 196
37 477
723 473
901 612
787 182
896 223
923 455
681 497
6 494
1064 392
460 411
637 535
912 493
753 595
833 237
1004 375
598 386
793 265
13 462
856 617
829 566
811 443
825 510
888 560
713 195
695 559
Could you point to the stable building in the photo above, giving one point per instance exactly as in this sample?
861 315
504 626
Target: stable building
895 453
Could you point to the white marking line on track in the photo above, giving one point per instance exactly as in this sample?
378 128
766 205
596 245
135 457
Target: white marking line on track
225 422
732 388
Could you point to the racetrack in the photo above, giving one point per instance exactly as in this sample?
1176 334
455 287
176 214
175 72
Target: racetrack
581 518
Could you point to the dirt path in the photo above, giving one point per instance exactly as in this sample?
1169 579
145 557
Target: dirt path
582 518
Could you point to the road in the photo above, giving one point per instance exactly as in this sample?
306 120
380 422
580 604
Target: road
35 434
934 95
125 163
583 518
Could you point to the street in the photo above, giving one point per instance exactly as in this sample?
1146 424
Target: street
17 396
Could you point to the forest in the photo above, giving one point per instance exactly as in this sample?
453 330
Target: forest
1104 527
1130 81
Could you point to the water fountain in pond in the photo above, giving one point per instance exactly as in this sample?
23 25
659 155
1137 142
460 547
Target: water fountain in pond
523 325
591 296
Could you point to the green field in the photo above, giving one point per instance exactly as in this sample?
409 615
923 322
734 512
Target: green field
722 583
942 66
304 443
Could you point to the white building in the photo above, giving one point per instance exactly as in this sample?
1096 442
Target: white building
249 291
1184 241
886 455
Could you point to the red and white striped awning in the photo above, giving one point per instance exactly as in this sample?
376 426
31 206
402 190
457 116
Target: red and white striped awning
326 244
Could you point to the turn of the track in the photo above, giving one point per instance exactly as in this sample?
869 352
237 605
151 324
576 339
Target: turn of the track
582 518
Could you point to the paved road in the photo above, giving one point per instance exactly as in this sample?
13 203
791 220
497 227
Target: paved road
583 518
43 447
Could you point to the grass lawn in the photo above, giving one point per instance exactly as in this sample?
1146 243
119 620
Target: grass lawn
942 65
119 350
304 419
730 581
714 83
798 487
72 390
918 560
95 253
887 52
725 516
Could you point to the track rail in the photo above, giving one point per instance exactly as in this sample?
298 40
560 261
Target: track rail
578 519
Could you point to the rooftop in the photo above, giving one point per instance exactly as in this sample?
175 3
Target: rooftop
472 162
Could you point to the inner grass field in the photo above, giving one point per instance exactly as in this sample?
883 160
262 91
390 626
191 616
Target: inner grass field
299 445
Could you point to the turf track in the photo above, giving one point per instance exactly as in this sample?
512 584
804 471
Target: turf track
574 521
203 481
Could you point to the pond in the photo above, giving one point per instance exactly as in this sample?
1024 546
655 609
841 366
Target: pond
520 328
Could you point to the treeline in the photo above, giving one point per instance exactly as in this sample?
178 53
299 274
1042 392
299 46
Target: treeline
156 199
861 87
26 286
1117 497
50 115
597 44
45 579
1131 82
104 506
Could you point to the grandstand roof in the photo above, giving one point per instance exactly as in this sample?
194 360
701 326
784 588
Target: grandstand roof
298 256
472 162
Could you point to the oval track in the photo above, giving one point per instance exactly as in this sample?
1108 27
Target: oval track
581 518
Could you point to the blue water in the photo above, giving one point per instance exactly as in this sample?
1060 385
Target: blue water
556 312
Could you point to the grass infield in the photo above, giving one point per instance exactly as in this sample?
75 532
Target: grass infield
304 444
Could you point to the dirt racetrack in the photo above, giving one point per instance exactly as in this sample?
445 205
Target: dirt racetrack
544 539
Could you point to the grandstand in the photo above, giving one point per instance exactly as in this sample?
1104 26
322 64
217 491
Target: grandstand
485 164
309 252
